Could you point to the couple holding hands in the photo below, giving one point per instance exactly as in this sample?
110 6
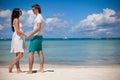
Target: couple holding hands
18 44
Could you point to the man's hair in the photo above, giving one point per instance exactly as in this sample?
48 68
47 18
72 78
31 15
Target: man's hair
36 6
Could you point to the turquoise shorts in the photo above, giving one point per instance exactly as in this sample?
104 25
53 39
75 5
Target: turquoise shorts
35 43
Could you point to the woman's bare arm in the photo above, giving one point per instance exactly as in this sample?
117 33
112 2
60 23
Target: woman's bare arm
17 27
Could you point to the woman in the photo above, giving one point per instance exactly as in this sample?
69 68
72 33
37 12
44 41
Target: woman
17 44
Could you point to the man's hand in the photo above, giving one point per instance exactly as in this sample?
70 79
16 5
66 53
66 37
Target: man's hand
29 35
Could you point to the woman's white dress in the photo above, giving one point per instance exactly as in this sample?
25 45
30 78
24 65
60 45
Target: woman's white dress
18 42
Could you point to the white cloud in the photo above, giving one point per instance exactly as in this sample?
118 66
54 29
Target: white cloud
5 13
1 27
52 20
27 18
94 20
56 27
55 23
97 23
101 30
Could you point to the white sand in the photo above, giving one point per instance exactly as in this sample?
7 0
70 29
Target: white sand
56 72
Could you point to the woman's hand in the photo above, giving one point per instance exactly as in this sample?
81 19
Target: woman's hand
29 35
25 35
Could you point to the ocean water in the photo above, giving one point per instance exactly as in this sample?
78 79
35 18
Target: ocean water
70 52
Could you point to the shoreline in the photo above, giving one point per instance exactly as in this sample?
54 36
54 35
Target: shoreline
63 65
102 38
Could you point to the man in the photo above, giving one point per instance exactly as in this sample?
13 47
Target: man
36 40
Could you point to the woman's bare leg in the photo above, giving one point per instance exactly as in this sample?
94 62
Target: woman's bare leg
15 60
18 65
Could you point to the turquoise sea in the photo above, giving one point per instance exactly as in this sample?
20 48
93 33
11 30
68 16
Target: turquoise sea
70 52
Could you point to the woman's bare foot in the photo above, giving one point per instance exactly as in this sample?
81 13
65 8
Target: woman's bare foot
10 69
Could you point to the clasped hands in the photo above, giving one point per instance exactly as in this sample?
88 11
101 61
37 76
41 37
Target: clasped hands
28 35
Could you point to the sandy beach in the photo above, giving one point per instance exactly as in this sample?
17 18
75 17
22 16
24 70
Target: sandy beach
63 72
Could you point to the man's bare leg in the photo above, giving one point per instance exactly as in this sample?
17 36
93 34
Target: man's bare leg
41 56
31 61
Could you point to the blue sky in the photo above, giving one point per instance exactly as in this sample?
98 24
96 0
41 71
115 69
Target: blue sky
66 18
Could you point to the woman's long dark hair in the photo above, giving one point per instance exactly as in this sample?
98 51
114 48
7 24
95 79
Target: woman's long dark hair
15 14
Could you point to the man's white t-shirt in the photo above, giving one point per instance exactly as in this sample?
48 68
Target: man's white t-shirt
38 19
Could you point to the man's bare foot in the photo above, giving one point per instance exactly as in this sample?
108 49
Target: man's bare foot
19 71
10 69
29 72
41 70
